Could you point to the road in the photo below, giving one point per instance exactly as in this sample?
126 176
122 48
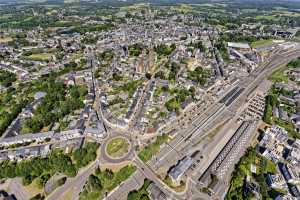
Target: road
17 189
107 158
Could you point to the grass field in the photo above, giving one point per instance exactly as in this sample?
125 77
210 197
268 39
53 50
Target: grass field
267 17
117 147
278 76
185 8
249 10
40 57
134 7
261 43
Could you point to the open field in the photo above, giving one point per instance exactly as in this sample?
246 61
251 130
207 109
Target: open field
182 8
40 57
267 17
249 10
261 43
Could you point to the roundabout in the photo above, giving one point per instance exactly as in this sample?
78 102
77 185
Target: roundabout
116 149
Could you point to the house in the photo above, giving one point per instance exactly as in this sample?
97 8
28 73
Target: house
96 132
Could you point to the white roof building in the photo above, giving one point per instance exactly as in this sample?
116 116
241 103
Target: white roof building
239 45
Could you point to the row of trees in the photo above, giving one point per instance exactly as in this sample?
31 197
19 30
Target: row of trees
7 78
153 148
271 101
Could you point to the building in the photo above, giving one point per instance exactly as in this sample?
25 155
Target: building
239 45
284 171
294 173
276 181
155 193
177 172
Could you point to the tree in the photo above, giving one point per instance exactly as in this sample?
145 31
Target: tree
108 174
148 76
95 182
38 197
62 181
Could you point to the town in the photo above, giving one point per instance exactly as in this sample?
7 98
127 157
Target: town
127 100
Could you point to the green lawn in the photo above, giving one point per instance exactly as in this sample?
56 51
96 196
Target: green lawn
117 147
261 43
278 76
40 57
267 17
153 148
